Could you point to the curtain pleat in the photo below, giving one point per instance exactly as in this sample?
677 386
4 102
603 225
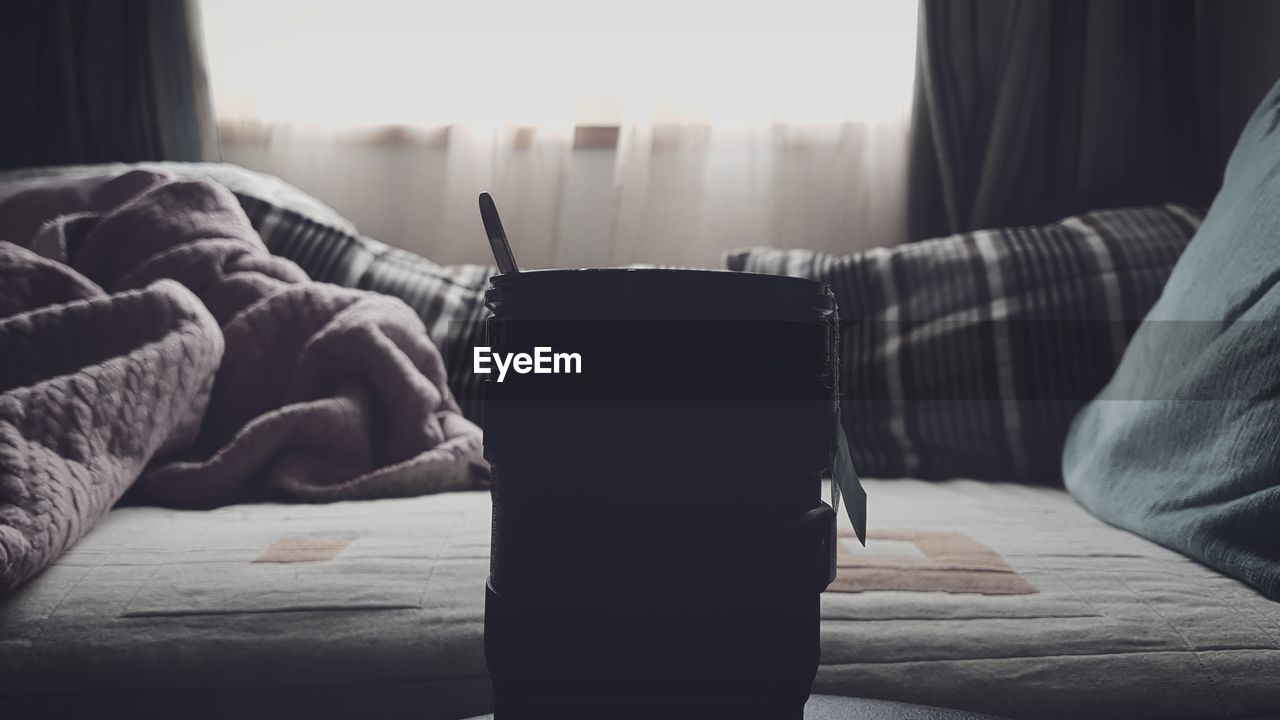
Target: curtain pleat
103 80
1029 110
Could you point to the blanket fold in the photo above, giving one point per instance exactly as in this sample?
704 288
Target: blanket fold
148 340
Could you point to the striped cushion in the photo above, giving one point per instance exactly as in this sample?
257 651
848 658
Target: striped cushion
328 252
450 300
969 355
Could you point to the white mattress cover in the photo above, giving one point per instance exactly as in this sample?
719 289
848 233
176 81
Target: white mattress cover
159 612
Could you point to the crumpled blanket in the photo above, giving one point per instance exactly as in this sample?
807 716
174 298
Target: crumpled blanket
150 343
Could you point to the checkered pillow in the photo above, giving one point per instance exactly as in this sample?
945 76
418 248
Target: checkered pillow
968 356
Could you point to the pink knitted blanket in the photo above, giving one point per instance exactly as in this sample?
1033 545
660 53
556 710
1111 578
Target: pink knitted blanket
148 340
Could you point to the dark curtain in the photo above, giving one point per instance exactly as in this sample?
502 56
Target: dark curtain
103 80
1028 110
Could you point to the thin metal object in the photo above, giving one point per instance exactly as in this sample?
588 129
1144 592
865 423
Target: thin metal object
497 236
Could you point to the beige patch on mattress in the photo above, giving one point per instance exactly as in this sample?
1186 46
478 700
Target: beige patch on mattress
303 549
923 561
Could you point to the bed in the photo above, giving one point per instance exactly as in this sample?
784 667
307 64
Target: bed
375 609
1006 598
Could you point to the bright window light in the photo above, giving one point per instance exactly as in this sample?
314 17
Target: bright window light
352 64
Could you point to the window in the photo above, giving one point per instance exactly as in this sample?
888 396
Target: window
338 63
610 131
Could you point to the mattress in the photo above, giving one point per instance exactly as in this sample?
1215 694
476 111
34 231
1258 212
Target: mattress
375 609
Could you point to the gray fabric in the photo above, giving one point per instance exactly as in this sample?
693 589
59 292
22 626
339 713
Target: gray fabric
161 612
1120 627
1027 110
1183 445
323 393
182 623
1240 60
449 299
91 388
105 80
246 184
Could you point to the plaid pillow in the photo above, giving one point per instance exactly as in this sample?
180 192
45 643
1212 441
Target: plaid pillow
968 356
327 251
450 300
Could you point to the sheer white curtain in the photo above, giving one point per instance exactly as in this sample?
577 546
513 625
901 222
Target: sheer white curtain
610 132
